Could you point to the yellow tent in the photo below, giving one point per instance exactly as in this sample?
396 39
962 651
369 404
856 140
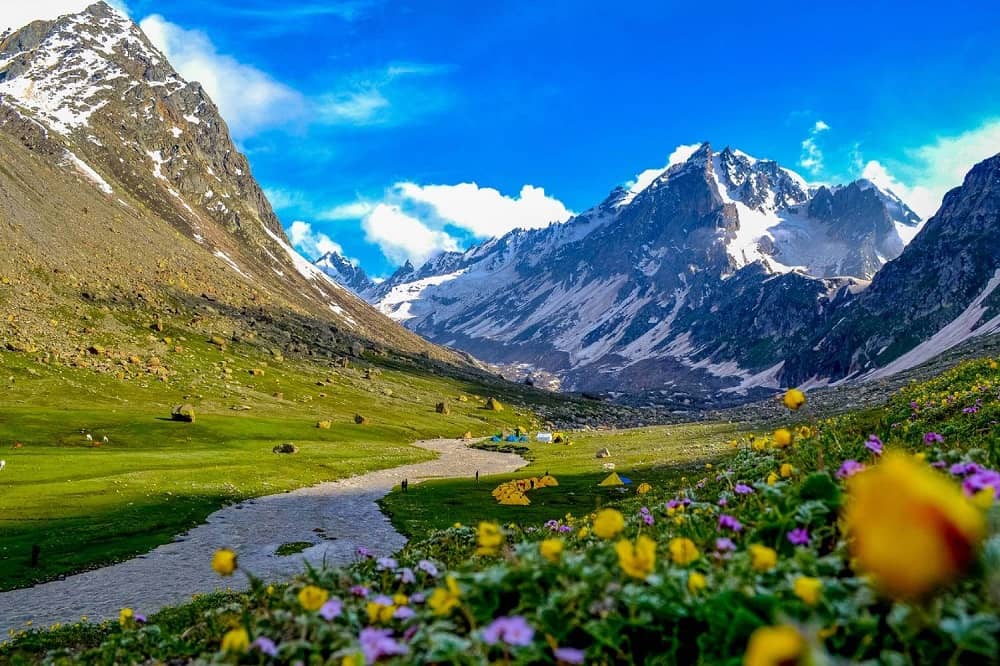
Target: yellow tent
547 481
613 480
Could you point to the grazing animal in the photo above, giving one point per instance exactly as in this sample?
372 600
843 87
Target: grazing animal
105 439
90 437
3 463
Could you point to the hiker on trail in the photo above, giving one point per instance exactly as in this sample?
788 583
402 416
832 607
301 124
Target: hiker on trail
405 485
477 476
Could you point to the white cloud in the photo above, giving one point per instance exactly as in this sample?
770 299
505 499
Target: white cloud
812 156
645 179
349 211
19 13
313 244
484 211
936 167
402 237
247 97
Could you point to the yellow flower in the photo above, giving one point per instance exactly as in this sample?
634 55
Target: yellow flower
794 398
456 526
772 479
489 537
551 549
808 589
786 470
758 443
984 498
803 432
683 551
762 558
782 437
349 660
400 599
379 612
608 523
236 640
125 616
444 599
909 527
312 598
583 533
638 559
696 582
270 590
643 488
224 562
775 646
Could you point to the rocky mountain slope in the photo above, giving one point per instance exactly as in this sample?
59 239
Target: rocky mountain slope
344 271
704 280
121 191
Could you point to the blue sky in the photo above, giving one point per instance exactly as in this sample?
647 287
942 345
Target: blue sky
351 111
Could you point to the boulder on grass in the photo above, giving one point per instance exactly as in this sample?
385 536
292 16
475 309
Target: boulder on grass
604 453
442 408
323 425
360 420
467 435
287 447
184 413
494 405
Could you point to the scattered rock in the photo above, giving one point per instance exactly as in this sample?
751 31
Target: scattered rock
287 447
494 405
442 408
360 420
604 453
467 435
256 372
218 341
357 349
183 413
323 425
96 350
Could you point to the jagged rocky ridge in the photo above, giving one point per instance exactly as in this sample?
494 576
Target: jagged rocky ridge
122 176
724 275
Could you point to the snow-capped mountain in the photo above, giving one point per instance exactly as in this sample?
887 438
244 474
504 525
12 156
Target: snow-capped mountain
101 118
706 279
344 271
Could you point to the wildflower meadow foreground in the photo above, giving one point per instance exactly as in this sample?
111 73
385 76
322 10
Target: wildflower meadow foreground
866 538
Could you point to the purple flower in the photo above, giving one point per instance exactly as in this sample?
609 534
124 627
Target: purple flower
874 444
568 655
385 563
417 598
364 552
359 591
428 568
265 645
565 528
673 504
932 438
646 516
965 469
383 600
799 536
727 522
378 643
510 630
405 575
552 524
139 618
742 489
939 464
724 545
331 609
404 613
723 501
981 480
849 468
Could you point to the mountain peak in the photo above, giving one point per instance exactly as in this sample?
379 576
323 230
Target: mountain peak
344 271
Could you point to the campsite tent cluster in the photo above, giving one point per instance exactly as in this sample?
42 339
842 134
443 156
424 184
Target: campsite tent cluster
512 493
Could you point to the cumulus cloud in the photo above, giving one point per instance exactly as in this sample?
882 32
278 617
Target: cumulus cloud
811 158
645 179
313 244
484 211
247 97
934 168
403 237
15 14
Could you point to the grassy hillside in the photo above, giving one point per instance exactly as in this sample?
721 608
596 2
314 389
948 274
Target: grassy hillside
87 502
872 537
